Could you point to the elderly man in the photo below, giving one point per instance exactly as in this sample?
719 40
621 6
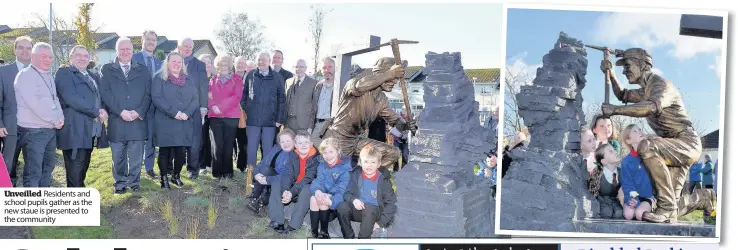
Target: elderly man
196 71
668 156
323 99
125 89
301 107
9 107
146 57
80 101
263 100
39 116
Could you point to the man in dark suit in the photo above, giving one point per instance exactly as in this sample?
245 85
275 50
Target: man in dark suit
125 88
84 115
301 107
196 71
8 105
146 57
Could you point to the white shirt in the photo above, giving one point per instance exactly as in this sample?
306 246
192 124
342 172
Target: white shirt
20 65
300 80
608 174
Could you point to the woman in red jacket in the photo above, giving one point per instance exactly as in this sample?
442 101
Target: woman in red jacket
224 95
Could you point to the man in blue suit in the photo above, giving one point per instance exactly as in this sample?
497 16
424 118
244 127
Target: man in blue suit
146 57
9 107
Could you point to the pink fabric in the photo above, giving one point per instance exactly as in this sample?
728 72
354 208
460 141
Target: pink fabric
226 96
4 176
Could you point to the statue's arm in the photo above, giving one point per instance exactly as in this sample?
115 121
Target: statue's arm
660 94
367 83
625 95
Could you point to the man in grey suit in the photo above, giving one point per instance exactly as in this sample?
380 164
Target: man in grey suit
301 107
9 106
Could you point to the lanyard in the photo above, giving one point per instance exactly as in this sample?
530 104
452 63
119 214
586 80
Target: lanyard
48 86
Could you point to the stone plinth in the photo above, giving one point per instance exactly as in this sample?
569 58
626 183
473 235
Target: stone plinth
438 194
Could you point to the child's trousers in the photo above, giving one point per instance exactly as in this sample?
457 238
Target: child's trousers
348 213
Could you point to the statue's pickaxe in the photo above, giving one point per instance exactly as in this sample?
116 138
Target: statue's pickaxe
606 51
403 86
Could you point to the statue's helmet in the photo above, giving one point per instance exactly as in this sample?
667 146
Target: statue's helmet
634 53
383 64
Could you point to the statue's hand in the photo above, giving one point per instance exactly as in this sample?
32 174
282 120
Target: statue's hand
607 109
397 71
411 125
605 66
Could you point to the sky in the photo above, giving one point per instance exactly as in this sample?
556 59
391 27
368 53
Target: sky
472 29
691 63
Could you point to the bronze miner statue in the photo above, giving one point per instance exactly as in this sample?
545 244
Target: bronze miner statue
668 155
361 102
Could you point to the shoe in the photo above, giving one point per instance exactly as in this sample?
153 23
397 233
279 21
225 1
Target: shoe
120 191
255 205
202 171
165 182
276 226
193 175
324 235
151 174
176 180
135 189
208 169
661 216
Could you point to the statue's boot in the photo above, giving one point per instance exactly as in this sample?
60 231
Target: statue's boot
701 199
666 210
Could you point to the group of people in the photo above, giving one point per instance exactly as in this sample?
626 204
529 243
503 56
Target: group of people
199 112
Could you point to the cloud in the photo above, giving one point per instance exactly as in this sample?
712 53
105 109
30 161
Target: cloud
518 72
716 67
650 31
657 71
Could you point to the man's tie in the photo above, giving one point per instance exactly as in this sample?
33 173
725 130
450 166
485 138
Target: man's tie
126 68
298 83
150 65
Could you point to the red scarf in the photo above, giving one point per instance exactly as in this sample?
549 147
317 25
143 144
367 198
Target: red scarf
303 163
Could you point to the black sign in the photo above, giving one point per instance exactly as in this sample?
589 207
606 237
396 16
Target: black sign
508 246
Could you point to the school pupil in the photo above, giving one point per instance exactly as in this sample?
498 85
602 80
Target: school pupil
637 186
299 193
605 132
270 171
604 183
329 186
369 198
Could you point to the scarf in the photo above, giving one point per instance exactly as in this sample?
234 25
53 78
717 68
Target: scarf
179 81
224 79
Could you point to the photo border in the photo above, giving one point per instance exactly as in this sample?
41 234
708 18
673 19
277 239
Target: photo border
596 8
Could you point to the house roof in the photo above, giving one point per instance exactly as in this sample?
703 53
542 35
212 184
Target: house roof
711 140
4 28
13 33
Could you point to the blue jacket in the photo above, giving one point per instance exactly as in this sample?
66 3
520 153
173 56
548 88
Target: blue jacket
695 172
267 105
333 180
139 58
635 178
707 173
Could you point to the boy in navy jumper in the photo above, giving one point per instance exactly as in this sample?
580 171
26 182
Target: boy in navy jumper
270 172
636 181
328 187
369 199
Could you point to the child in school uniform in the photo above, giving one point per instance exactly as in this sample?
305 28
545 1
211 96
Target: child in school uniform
369 199
271 170
605 132
605 182
329 186
637 186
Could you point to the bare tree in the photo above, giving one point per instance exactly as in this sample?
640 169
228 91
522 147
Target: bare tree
241 36
63 39
515 77
315 25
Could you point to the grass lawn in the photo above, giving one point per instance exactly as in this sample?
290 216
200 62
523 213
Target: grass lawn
200 209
